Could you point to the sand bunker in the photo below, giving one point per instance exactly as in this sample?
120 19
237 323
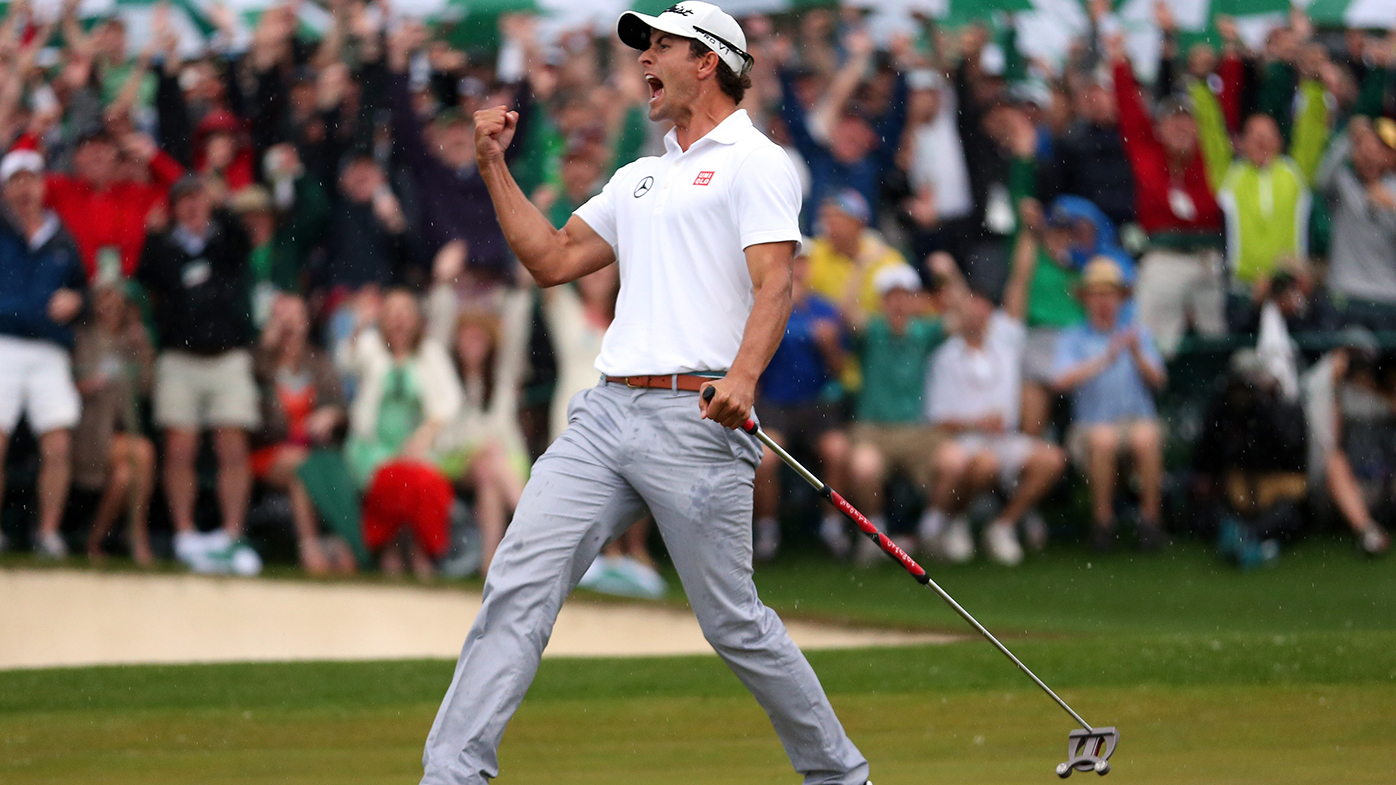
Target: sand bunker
71 617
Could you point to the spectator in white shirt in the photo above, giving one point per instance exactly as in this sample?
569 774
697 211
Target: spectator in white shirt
974 391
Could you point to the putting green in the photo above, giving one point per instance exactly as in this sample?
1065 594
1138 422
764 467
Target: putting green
643 720
1284 676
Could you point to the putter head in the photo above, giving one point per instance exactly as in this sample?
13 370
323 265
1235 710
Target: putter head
1089 750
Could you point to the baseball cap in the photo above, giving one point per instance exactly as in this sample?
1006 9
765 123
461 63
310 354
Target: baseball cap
690 19
852 203
17 161
896 276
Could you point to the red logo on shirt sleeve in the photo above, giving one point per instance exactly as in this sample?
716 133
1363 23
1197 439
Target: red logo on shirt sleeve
703 178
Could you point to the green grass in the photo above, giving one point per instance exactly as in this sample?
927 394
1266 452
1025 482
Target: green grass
1281 676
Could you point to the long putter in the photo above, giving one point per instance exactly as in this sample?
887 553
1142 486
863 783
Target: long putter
1088 749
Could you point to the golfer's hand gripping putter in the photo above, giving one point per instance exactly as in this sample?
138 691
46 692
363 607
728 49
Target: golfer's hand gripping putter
1088 749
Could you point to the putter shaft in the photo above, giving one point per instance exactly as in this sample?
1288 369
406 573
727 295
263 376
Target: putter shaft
893 550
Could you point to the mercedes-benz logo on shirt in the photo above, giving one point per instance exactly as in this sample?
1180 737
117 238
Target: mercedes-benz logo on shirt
644 186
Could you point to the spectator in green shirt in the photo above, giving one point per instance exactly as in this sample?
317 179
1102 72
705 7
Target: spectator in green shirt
890 433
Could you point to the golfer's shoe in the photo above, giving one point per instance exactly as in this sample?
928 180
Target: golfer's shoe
1001 541
956 544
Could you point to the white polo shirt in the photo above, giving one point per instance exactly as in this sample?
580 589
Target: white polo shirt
679 225
966 384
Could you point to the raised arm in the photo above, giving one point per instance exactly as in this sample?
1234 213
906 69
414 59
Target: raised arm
552 256
1015 293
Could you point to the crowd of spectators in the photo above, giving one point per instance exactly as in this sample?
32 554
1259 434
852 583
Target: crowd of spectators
270 270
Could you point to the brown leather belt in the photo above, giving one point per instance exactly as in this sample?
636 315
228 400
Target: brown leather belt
681 382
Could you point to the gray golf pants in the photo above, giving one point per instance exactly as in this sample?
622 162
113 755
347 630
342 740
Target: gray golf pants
625 450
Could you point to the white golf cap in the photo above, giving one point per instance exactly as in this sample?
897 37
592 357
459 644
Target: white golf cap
17 161
896 276
690 19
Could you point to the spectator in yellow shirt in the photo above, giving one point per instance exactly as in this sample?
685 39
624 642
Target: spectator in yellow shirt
847 255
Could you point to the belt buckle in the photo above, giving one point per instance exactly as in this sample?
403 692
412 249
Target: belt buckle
630 382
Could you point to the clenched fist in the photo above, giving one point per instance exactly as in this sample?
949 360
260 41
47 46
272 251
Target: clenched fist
494 129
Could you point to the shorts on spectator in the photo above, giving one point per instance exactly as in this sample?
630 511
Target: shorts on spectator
801 423
909 448
194 392
1078 439
1039 354
1010 450
36 378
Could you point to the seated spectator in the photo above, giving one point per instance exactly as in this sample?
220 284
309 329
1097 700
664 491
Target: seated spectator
482 448
1251 456
1111 369
1358 180
1179 275
114 365
408 392
196 276
889 433
109 215
973 392
1340 401
42 286
847 255
302 409
795 409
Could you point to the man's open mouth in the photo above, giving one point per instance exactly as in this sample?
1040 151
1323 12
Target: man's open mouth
656 87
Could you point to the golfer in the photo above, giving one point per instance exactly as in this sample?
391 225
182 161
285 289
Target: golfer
705 237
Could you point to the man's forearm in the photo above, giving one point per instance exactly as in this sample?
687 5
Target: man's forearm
764 327
529 233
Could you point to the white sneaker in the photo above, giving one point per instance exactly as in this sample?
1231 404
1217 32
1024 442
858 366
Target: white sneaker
645 578
1374 540
866 553
244 561
767 540
1034 531
956 545
50 546
1001 541
834 532
928 530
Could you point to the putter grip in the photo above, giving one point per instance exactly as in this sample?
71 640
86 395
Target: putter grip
749 426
